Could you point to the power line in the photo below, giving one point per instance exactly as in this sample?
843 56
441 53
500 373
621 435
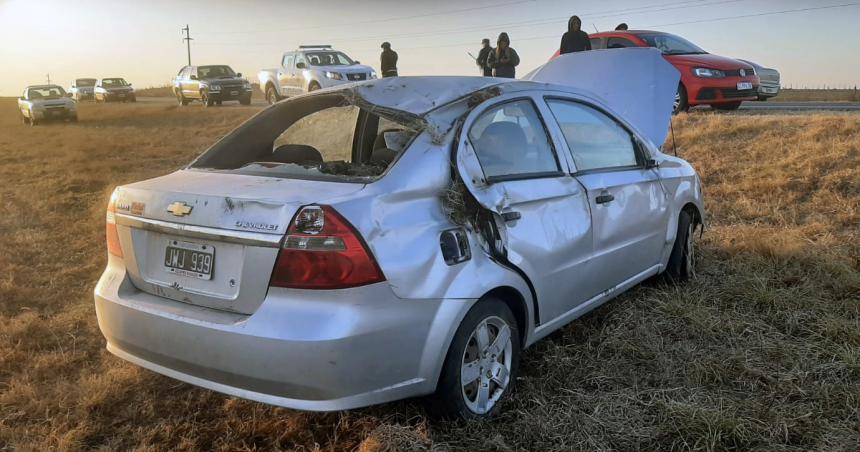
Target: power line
371 21
717 19
527 23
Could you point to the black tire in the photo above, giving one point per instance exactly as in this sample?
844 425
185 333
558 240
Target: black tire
314 86
272 95
732 106
180 98
762 99
207 101
451 398
682 103
33 122
682 261
218 103
25 120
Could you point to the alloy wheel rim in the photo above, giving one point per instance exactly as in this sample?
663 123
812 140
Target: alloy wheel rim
485 367
677 104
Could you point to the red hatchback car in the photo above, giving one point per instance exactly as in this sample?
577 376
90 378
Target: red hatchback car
706 79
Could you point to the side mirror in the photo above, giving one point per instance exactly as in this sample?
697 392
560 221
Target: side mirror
301 65
239 74
193 77
357 62
651 164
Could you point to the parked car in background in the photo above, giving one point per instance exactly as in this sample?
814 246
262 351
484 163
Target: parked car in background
769 86
311 68
41 103
211 85
83 89
706 79
314 259
114 90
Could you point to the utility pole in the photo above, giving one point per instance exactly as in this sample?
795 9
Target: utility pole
49 78
187 40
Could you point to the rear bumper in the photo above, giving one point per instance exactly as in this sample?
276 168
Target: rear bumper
308 350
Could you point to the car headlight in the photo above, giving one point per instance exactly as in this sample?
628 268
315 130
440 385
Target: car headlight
214 87
372 74
708 73
246 85
334 75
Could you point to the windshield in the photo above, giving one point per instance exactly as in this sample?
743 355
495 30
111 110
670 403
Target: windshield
204 72
82 82
112 82
47 92
320 138
328 59
671 44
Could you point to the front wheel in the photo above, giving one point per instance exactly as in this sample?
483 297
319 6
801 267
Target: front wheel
271 95
681 103
207 101
481 365
682 261
314 86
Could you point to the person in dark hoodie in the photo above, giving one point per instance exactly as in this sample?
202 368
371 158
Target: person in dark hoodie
483 56
574 40
504 59
389 61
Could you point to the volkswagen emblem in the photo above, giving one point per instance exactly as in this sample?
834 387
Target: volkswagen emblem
743 72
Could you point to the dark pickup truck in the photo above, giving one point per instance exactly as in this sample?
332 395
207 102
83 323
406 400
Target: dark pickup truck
211 85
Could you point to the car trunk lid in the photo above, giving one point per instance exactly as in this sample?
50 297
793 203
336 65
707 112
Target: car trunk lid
208 238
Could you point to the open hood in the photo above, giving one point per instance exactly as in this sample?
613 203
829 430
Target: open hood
636 83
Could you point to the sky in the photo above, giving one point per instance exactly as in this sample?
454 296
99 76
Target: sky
141 40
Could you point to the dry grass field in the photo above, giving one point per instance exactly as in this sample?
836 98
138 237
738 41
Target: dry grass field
761 352
817 95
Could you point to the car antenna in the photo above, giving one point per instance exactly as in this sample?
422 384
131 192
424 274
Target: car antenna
595 28
672 128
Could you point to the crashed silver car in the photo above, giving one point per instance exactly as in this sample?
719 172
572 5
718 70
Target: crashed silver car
401 237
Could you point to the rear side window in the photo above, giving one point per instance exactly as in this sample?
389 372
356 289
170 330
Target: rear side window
510 141
619 43
596 43
596 141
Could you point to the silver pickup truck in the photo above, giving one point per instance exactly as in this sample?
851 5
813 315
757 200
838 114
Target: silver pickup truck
41 103
311 68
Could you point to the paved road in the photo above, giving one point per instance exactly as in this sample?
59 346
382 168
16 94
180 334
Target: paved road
749 107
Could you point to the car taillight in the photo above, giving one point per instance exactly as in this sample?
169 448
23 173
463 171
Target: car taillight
111 234
323 251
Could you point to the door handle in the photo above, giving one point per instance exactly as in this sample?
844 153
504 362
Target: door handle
511 216
604 198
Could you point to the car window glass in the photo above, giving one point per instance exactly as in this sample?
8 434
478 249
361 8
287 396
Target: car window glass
510 140
301 59
619 43
595 140
596 43
316 130
288 61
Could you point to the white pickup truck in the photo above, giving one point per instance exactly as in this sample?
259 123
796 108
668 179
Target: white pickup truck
311 68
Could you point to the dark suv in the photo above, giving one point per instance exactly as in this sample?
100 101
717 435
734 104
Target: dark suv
211 85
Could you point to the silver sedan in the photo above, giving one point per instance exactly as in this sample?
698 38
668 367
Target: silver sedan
401 237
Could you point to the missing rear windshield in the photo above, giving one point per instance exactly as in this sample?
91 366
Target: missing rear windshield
324 137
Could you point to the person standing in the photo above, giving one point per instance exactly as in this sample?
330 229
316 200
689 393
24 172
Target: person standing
483 56
504 59
389 61
574 40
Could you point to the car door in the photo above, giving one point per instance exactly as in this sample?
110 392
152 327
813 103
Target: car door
629 205
509 163
191 83
298 82
285 75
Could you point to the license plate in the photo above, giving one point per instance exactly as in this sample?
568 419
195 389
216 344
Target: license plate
122 95
234 93
744 85
189 259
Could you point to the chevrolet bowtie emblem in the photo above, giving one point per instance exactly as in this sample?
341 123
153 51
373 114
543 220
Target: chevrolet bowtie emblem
179 208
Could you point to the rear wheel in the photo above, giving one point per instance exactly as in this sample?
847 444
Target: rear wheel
25 120
271 95
681 103
682 261
207 101
727 107
481 365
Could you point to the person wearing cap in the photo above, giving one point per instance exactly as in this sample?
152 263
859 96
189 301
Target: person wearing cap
504 59
389 61
483 56
574 40
621 27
